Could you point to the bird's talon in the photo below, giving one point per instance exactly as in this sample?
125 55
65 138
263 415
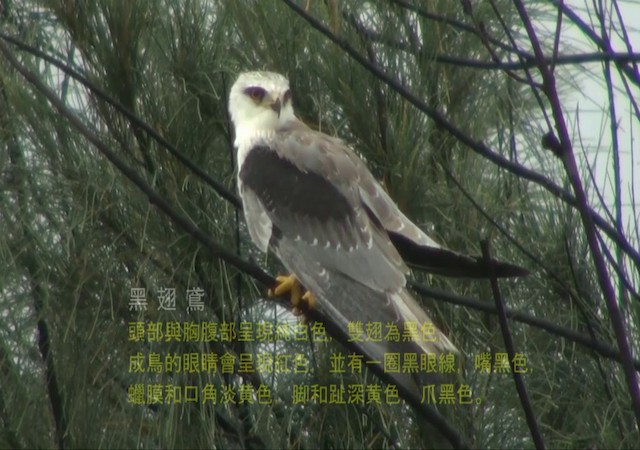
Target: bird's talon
307 303
287 284
310 300
301 303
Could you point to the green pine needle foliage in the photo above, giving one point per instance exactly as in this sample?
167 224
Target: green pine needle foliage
78 236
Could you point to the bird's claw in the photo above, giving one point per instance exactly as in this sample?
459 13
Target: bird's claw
284 284
289 284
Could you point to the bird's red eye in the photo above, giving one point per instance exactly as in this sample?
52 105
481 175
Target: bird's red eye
255 93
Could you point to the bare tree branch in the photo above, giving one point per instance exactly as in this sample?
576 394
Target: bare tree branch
587 219
511 351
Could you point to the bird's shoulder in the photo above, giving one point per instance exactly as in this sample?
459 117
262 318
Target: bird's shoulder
317 152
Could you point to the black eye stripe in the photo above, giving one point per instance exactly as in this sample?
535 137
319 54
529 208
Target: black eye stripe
256 93
287 96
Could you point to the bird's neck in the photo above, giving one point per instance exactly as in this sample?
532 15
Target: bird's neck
261 129
248 135
250 132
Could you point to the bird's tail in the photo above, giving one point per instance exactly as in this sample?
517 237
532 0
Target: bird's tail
410 347
441 261
427 335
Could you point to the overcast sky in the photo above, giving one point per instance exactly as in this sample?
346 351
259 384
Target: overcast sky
588 112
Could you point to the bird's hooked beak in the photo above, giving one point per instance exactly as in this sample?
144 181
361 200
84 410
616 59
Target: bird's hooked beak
276 106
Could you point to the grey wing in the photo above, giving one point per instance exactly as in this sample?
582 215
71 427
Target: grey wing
349 301
310 187
387 212
307 189
417 249
258 221
342 300
331 158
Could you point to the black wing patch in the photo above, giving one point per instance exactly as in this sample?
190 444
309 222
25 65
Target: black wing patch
285 189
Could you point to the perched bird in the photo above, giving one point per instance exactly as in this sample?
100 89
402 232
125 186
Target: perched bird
311 200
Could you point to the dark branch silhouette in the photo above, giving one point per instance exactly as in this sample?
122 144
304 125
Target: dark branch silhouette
511 351
573 174
477 146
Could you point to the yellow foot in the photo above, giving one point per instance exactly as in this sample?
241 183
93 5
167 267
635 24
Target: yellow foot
286 284
300 302
309 300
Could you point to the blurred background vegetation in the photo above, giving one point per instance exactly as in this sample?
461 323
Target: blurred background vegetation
77 235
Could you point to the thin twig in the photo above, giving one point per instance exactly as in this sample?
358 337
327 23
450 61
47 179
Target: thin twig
153 197
615 147
573 174
511 351
485 39
556 40
341 335
625 35
458 25
37 285
551 274
476 146
586 29
601 348
603 374
525 61
218 187
535 90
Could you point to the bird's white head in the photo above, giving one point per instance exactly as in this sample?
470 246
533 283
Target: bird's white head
259 102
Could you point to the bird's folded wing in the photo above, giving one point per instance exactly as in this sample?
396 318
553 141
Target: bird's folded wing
285 179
